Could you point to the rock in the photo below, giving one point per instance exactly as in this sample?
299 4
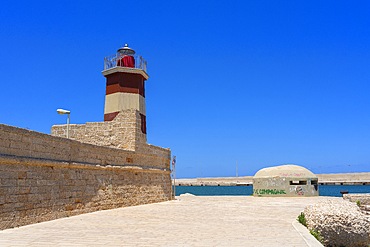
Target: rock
187 194
340 223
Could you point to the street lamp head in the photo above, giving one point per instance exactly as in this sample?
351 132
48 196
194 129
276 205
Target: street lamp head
62 111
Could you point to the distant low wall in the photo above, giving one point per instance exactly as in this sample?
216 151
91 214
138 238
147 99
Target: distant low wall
335 178
44 177
345 178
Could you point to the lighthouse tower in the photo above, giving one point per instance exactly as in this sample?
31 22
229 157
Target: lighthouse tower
125 74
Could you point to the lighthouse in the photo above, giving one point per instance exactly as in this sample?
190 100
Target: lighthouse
125 74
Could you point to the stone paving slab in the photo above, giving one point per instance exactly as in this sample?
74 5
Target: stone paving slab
187 221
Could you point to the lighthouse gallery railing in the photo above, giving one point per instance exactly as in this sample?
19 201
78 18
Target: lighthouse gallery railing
116 60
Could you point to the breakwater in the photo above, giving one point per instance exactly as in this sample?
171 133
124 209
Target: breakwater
362 178
324 190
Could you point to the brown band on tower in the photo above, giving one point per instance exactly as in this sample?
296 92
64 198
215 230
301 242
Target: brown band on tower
110 116
125 82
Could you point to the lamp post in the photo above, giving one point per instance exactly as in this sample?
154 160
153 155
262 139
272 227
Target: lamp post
63 112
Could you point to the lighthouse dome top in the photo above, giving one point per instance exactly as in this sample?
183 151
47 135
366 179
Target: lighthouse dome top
125 50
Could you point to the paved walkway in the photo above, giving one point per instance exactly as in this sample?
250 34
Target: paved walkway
188 221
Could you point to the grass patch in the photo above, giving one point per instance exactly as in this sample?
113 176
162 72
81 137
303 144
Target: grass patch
302 219
358 202
317 235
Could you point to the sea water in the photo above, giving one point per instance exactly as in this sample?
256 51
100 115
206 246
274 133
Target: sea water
324 190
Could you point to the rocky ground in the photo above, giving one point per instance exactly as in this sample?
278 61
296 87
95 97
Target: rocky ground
340 223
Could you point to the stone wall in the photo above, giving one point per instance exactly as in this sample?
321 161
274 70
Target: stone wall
44 177
124 131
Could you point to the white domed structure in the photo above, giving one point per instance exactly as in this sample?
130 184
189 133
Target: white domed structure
285 180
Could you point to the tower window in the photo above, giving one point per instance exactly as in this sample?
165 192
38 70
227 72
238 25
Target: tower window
143 123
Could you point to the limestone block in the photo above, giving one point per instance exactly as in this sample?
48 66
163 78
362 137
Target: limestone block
11 182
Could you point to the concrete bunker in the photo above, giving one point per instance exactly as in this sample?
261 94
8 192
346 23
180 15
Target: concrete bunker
285 180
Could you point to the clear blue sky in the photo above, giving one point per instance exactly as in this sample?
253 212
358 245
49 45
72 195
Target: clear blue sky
261 83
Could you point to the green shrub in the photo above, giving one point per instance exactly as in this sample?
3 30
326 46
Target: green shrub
302 219
358 202
317 235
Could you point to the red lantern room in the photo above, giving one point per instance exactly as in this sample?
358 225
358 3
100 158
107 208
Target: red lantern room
126 57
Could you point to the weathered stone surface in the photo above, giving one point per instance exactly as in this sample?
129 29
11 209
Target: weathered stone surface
340 223
44 177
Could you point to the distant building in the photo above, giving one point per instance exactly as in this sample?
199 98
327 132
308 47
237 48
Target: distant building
285 180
